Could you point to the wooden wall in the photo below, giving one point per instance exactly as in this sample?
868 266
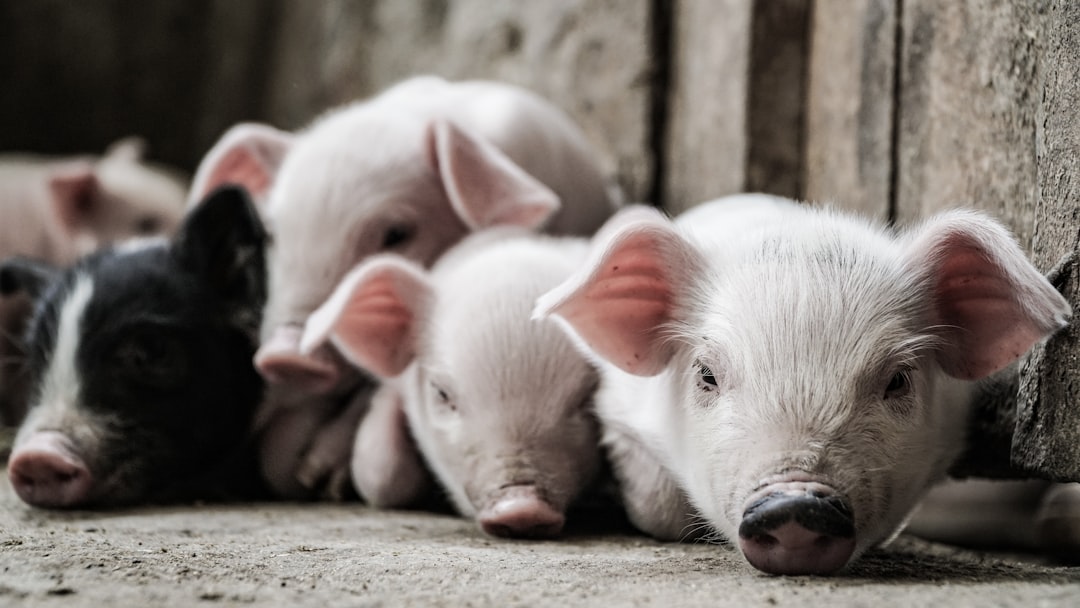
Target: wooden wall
893 108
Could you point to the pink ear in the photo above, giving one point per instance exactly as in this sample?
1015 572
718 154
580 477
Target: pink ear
247 155
620 305
484 186
989 300
372 316
75 195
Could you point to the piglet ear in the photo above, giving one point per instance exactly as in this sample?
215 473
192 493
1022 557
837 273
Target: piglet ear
484 186
373 316
129 149
223 242
248 155
25 275
76 196
620 304
989 301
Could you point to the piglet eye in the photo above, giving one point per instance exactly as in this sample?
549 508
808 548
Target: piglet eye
899 385
443 397
147 225
706 378
397 235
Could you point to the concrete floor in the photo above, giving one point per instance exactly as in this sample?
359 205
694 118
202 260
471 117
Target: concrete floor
345 555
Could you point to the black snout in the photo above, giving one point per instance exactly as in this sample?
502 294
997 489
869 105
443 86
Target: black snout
805 533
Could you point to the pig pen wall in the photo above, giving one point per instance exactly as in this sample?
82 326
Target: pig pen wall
893 108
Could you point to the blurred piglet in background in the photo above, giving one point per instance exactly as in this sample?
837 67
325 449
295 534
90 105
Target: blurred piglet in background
139 360
799 376
410 171
500 406
57 209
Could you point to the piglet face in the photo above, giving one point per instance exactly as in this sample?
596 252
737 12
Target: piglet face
364 180
822 408
506 424
140 363
808 371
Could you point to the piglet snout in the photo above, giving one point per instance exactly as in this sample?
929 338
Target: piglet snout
798 532
45 472
280 361
520 512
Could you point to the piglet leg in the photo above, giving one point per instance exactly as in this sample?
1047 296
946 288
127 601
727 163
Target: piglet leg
387 468
653 502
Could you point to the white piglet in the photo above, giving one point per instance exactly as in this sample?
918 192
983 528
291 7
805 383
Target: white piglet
795 377
410 171
500 405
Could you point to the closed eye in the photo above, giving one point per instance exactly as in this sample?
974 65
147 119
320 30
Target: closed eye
397 235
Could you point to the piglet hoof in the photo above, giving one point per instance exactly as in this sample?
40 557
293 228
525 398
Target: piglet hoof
521 514
1057 522
45 472
806 533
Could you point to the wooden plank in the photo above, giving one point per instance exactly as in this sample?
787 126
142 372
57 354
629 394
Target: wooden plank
849 105
705 144
593 58
968 102
77 76
734 99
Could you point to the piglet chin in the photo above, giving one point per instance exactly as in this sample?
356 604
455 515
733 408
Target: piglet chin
46 472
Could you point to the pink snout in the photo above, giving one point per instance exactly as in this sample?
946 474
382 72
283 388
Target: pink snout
797 529
46 472
280 362
519 512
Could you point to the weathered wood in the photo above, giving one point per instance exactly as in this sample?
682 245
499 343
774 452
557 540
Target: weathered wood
1048 429
968 100
594 58
78 75
705 145
734 99
849 105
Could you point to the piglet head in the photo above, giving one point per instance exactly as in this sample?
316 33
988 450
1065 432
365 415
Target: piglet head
414 188
114 198
498 405
140 362
811 365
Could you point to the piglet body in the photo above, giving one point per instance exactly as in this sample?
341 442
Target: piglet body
499 405
794 377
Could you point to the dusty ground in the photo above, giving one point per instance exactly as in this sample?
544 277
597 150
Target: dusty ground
345 555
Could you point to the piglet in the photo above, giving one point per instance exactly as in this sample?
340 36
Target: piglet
57 209
794 377
500 406
410 171
140 362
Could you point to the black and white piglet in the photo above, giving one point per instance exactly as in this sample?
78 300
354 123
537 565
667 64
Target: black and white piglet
140 362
